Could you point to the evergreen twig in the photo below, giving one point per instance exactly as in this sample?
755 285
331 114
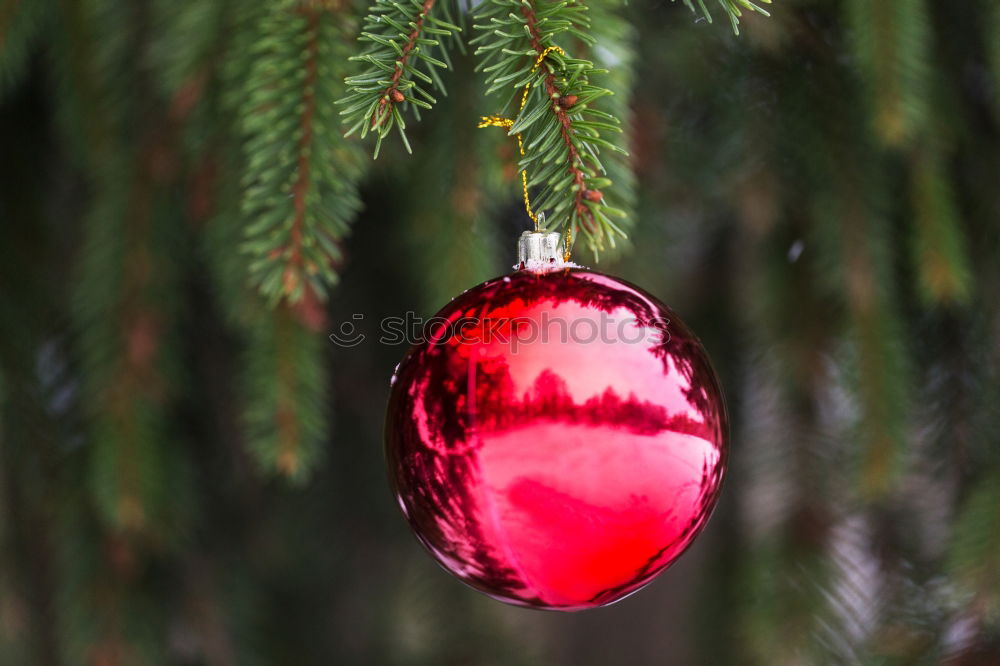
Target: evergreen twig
561 129
615 50
407 45
300 179
733 8
283 75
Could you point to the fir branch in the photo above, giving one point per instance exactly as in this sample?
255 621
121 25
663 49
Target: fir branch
300 178
126 287
20 23
285 385
880 365
402 63
939 249
298 198
306 130
974 550
86 70
281 394
129 357
560 128
733 8
618 41
891 42
187 51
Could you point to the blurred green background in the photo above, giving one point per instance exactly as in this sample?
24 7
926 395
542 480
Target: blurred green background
190 476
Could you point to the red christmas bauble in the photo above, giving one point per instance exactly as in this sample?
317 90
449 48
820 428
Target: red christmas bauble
557 439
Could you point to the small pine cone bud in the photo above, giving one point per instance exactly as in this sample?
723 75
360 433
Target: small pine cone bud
593 195
396 96
567 101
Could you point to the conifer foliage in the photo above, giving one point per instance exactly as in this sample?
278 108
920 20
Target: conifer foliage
549 99
300 179
407 45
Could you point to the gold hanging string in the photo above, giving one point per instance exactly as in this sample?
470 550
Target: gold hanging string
500 121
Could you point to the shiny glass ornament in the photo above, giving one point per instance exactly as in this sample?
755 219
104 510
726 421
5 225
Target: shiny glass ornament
557 439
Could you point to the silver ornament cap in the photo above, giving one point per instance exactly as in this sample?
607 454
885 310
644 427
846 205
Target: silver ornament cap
539 247
540 250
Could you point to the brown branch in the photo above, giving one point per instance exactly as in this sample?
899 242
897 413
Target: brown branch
391 95
565 123
291 276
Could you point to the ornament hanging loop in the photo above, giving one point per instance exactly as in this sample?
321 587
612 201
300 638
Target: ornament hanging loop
507 123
